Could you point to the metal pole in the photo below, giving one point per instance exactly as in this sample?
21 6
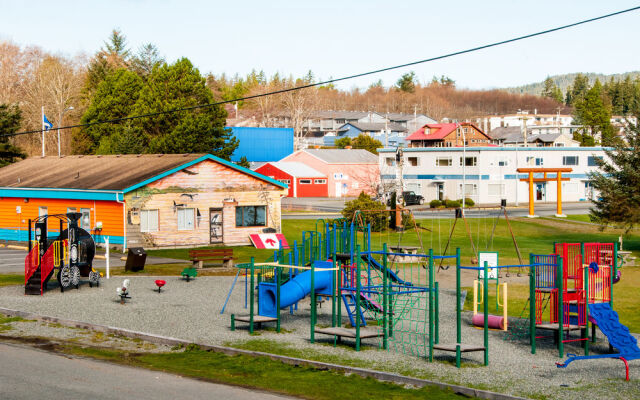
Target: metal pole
437 312
458 310
560 308
585 334
313 302
532 303
385 302
106 243
486 312
357 302
251 298
278 270
431 305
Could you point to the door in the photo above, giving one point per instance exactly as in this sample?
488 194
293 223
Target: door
440 191
338 189
215 225
541 191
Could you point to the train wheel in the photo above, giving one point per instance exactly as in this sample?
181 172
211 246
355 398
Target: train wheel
94 278
75 276
64 277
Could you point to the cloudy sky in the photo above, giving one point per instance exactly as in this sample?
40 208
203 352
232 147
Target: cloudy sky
339 38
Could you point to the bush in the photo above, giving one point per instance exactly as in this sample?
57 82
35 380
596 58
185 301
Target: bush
435 203
467 202
377 219
451 204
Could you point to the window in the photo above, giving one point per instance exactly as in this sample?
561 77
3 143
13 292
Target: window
495 189
251 216
338 175
568 187
592 160
305 181
285 181
443 162
42 211
503 163
559 144
391 161
85 220
185 219
413 161
470 189
535 161
148 220
71 209
570 160
320 181
469 161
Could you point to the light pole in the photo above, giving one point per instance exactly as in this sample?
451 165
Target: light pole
60 123
464 164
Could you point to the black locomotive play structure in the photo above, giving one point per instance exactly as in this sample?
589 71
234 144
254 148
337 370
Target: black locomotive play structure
69 255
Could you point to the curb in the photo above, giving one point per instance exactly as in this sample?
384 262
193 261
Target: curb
11 246
169 341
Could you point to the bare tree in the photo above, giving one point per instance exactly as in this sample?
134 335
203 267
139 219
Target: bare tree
298 104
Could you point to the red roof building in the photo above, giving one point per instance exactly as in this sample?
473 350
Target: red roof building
448 135
303 181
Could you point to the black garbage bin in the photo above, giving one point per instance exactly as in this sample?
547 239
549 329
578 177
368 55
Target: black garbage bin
135 259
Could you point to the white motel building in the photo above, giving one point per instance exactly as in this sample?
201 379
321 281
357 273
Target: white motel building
490 172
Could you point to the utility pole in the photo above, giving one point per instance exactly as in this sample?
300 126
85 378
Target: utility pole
399 188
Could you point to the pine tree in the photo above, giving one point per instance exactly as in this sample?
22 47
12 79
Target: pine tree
407 82
618 183
592 112
551 90
10 117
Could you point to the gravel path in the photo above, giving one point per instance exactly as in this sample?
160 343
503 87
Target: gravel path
191 311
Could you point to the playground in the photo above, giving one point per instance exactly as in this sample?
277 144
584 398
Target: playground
381 307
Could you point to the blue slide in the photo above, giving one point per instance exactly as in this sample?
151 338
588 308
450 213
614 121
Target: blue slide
294 290
617 334
394 277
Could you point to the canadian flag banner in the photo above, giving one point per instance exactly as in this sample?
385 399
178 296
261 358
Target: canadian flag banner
269 240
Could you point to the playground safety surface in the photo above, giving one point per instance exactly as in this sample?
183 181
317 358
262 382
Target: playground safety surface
191 311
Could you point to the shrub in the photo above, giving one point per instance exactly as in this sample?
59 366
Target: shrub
435 203
451 204
377 219
467 202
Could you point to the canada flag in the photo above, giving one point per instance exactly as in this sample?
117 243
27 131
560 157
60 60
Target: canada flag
269 240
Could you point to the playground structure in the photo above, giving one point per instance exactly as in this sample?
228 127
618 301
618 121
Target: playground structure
70 254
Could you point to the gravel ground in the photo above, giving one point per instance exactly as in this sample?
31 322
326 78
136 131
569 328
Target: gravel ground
191 311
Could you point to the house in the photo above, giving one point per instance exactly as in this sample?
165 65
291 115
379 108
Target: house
409 121
491 122
389 134
512 136
489 173
303 181
262 144
148 200
448 135
348 171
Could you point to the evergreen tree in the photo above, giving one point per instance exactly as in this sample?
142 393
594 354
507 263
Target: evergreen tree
10 117
407 82
551 90
112 57
592 112
146 59
618 183
578 89
244 162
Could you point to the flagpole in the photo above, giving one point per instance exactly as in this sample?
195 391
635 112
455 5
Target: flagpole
42 131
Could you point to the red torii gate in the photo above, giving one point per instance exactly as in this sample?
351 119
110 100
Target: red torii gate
545 171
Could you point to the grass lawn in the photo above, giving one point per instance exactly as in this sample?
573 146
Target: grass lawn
11 279
263 373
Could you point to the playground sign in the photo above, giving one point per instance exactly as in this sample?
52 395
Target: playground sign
491 257
268 240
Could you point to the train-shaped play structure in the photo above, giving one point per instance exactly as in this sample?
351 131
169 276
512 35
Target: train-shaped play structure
69 255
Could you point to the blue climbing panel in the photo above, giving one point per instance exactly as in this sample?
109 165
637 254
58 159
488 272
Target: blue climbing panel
609 323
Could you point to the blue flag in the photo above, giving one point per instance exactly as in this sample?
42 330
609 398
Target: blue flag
45 122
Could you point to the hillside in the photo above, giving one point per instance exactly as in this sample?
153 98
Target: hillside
563 81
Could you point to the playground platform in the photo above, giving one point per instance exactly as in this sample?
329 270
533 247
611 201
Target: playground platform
365 333
464 347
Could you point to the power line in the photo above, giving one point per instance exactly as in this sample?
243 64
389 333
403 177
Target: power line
330 81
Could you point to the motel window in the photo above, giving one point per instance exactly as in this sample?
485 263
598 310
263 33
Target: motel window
186 219
592 160
495 189
148 220
390 161
537 161
320 181
443 162
305 181
570 160
42 211
469 161
568 187
470 189
85 220
251 216
413 161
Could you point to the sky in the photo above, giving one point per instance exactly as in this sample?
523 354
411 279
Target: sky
340 38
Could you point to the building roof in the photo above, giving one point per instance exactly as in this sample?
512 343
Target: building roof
403 117
297 169
104 172
504 132
374 126
438 132
344 156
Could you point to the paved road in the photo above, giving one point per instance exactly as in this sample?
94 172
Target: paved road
27 373
12 260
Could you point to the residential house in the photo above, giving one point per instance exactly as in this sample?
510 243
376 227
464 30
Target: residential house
348 171
512 136
448 135
148 200
389 134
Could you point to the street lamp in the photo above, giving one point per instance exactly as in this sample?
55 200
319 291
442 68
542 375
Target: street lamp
60 123
464 164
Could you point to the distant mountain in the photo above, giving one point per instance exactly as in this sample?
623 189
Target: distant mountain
565 80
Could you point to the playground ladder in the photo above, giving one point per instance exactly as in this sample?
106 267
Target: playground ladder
349 300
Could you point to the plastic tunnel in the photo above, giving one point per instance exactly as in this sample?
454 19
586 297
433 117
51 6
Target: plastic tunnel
294 290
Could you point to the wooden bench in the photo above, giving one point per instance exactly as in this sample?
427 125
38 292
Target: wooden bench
212 256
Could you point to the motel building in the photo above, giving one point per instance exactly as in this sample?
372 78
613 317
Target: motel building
490 172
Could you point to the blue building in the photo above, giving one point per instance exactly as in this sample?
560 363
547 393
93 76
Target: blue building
262 144
392 133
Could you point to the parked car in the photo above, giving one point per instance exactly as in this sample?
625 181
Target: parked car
410 198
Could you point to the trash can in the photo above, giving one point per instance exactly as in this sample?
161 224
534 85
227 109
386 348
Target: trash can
136 258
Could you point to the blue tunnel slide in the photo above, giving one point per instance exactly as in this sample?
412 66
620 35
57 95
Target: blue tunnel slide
294 290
